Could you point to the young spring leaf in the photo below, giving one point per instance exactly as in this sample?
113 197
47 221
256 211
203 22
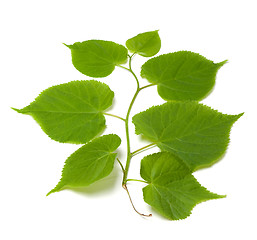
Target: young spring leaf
172 189
145 44
181 75
97 58
71 112
192 131
89 163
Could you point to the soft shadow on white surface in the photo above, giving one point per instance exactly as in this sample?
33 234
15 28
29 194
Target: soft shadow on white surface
103 186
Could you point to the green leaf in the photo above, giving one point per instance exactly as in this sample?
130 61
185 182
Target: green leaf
192 131
145 44
97 58
181 75
71 112
89 163
172 189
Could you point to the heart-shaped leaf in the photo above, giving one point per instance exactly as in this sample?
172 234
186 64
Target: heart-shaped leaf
145 44
181 75
194 132
97 58
89 163
172 190
71 112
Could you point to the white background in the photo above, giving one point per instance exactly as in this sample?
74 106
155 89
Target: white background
33 58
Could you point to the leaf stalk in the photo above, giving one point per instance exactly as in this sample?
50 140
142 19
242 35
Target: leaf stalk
122 168
137 180
149 85
143 149
112 115
141 214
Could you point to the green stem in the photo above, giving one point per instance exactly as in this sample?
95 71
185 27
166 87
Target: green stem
136 180
129 155
122 168
143 148
153 84
112 115
123 67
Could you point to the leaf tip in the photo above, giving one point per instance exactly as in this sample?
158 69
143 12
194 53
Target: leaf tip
222 196
17 110
49 193
58 187
238 116
68 46
220 64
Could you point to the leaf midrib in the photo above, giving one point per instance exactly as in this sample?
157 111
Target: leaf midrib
192 133
145 44
71 112
160 80
95 160
106 61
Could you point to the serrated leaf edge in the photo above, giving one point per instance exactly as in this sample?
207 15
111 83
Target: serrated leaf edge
166 103
220 64
236 117
138 52
217 196
193 206
39 123
62 184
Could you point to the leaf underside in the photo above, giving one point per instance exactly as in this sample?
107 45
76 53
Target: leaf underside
194 132
172 190
145 44
182 75
97 58
89 163
71 112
